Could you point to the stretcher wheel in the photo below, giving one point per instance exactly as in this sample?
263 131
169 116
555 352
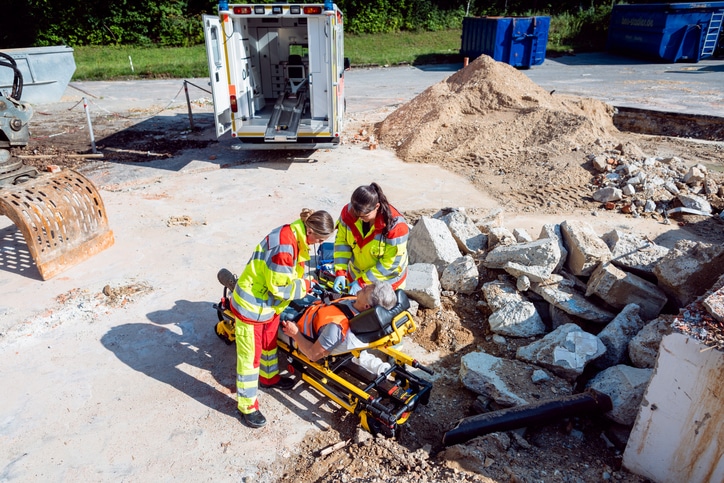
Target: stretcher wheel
377 427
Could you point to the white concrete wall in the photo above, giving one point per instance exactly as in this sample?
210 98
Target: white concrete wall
679 432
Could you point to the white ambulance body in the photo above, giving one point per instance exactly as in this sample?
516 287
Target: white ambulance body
277 74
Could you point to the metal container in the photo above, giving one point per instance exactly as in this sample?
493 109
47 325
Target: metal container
518 41
46 72
669 32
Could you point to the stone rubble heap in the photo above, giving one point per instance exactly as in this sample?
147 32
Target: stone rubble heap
590 302
629 181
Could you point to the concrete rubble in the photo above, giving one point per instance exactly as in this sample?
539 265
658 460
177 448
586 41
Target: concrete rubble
634 184
589 303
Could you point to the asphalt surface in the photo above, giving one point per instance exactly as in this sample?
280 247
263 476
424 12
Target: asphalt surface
692 88
620 81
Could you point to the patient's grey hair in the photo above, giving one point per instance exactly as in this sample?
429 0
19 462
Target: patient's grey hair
383 294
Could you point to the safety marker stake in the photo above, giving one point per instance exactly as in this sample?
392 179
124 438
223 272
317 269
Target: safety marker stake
90 126
188 104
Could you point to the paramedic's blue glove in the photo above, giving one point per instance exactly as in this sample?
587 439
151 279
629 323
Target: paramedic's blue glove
354 288
340 283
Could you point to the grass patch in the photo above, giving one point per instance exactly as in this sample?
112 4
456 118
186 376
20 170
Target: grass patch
403 47
125 62
585 31
109 63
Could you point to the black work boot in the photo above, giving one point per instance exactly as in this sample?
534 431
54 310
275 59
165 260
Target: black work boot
255 419
284 383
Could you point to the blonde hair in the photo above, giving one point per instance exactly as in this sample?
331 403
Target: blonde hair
320 222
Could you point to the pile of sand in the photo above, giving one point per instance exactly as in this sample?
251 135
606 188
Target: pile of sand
490 110
494 126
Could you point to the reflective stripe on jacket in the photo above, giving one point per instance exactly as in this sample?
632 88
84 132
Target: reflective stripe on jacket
274 275
371 257
320 314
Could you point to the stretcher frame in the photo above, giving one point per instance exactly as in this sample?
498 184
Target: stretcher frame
382 402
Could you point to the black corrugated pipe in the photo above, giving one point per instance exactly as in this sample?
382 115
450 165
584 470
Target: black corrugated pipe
589 401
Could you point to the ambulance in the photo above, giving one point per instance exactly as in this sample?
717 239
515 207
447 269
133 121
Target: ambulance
277 74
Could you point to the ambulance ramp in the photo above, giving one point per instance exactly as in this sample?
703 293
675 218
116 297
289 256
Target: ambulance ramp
283 125
62 218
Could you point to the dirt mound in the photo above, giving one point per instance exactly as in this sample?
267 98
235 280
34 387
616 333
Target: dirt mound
490 111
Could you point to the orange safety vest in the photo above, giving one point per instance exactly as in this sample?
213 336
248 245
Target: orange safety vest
320 314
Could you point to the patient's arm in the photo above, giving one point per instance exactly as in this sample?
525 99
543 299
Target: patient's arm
313 350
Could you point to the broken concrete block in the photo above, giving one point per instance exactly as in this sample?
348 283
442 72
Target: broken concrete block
714 304
710 187
634 253
695 175
430 241
600 163
698 203
494 219
522 283
554 232
519 319
461 276
490 376
522 236
536 259
679 422
466 234
643 348
500 293
562 293
500 236
566 351
625 385
585 248
423 284
617 335
608 193
689 269
619 288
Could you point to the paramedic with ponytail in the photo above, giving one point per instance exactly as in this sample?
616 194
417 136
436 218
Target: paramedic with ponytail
371 242
272 278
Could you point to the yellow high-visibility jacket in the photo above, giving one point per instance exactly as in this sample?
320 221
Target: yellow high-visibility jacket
274 275
371 257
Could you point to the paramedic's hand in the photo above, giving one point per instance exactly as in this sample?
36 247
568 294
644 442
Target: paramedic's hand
340 283
354 288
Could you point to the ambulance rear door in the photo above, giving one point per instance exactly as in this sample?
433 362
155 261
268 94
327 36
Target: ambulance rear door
218 72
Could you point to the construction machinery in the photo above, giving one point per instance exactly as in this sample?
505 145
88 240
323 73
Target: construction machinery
383 397
61 215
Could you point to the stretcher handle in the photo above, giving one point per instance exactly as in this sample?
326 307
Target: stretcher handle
422 367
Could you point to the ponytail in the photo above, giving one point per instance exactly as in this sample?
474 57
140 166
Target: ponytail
320 222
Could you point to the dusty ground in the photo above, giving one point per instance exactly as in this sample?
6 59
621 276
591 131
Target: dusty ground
526 150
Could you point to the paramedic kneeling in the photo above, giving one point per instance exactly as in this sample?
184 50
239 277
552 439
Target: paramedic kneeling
324 329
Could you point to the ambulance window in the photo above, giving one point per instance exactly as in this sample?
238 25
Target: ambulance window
300 50
215 45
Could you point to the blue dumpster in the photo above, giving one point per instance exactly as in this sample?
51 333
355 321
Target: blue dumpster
670 32
518 41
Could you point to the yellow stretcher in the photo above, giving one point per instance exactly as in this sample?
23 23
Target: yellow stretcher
382 402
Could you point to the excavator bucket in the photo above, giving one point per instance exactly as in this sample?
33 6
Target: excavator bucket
62 218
